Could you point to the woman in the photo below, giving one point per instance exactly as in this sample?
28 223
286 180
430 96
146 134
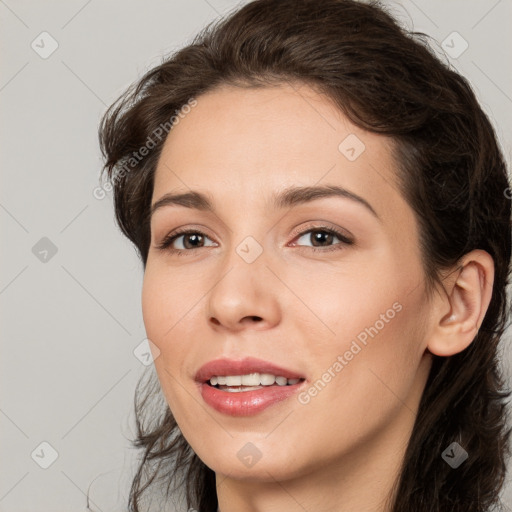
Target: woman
323 216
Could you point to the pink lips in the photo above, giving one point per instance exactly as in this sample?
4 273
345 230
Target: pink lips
245 403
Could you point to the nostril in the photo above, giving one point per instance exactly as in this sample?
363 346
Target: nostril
247 318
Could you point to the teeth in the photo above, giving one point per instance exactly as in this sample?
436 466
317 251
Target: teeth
267 379
234 381
252 380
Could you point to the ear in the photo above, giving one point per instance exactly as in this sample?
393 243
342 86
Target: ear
457 316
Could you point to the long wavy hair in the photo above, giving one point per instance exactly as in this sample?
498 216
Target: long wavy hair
450 170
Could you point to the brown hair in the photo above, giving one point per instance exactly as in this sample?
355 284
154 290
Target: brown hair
451 172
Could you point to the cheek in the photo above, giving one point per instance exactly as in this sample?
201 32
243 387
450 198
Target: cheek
168 298
164 312
340 304
370 337
153 309
371 364
161 311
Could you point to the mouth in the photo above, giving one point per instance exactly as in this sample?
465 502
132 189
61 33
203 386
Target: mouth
246 387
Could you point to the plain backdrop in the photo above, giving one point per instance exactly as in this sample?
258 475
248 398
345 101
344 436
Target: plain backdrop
69 282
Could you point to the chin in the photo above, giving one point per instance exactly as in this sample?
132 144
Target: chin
267 468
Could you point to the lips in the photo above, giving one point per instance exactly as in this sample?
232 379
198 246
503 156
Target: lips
243 367
250 401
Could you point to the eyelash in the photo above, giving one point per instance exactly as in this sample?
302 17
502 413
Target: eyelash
168 240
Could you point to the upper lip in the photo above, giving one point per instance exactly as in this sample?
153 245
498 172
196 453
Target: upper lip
243 367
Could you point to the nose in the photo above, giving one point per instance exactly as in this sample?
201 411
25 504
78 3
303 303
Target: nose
246 296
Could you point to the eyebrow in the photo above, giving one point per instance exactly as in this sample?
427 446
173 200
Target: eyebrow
291 196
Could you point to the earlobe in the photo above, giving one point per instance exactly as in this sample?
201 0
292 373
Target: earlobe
460 312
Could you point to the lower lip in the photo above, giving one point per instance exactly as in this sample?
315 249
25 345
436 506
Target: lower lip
246 403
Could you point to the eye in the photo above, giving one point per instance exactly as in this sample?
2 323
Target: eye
190 240
322 237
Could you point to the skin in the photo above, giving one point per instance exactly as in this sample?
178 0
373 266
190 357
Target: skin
340 451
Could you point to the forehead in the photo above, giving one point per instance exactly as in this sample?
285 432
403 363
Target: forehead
237 141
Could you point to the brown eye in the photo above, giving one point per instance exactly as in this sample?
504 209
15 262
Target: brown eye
324 237
187 240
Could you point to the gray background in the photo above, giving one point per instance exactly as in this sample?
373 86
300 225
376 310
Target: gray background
72 320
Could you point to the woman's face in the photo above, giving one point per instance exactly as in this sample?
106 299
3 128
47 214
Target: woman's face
328 287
